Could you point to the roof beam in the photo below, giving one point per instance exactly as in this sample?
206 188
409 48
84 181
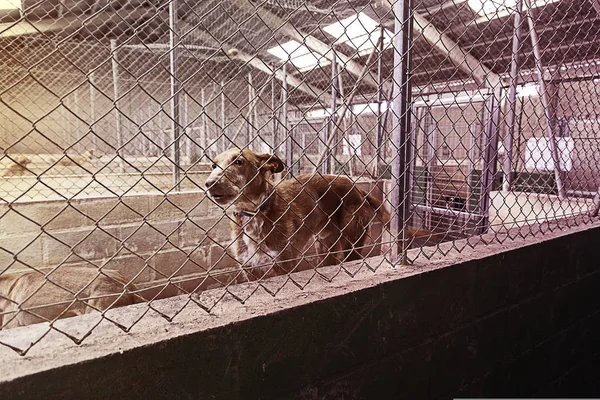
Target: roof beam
259 64
285 27
443 43
72 22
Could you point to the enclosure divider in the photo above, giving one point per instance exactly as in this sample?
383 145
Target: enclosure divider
512 97
289 155
400 139
490 151
118 124
174 72
545 104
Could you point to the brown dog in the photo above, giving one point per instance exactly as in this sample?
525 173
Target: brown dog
35 298
18 166
304 222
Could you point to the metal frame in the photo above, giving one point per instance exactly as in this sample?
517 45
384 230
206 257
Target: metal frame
401 107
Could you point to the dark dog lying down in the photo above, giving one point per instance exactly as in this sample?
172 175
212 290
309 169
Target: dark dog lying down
34 293
304 222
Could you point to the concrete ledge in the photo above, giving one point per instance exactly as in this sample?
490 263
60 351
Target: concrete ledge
455 324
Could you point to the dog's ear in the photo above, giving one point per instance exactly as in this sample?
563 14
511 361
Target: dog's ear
270 162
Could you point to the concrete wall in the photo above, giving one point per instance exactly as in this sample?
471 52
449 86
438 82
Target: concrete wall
519 319
149 237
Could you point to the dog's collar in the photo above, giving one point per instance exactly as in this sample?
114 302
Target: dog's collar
260 208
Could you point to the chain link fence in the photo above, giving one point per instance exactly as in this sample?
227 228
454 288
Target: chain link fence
360 129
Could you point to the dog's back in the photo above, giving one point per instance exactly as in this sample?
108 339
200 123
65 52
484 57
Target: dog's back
45 299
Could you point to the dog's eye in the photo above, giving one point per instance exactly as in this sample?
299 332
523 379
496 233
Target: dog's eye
214 166
238 161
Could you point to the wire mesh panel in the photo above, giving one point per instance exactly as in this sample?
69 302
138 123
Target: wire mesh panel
164 148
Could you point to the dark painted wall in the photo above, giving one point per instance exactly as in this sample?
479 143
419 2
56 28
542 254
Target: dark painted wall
522 323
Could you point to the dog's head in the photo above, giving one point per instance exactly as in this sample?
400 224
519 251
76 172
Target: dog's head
241 177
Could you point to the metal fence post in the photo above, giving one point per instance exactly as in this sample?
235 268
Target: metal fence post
118 122
223 140
250 120
401 133
490 153
326 165
380 128
512 98
289 149
274 115
187 130
174 71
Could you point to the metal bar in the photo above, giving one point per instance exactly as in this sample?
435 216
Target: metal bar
596 209
490 153
174 72
545 103
249 119
289 150
204 131
512 97
400 137
91 79
429 156
582 193
326 164
379 134
273 115
161 137
342 100
187 130
118 122
447 211
417 112
471 153
255 113
223 138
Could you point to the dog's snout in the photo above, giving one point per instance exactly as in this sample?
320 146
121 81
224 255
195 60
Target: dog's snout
210 182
